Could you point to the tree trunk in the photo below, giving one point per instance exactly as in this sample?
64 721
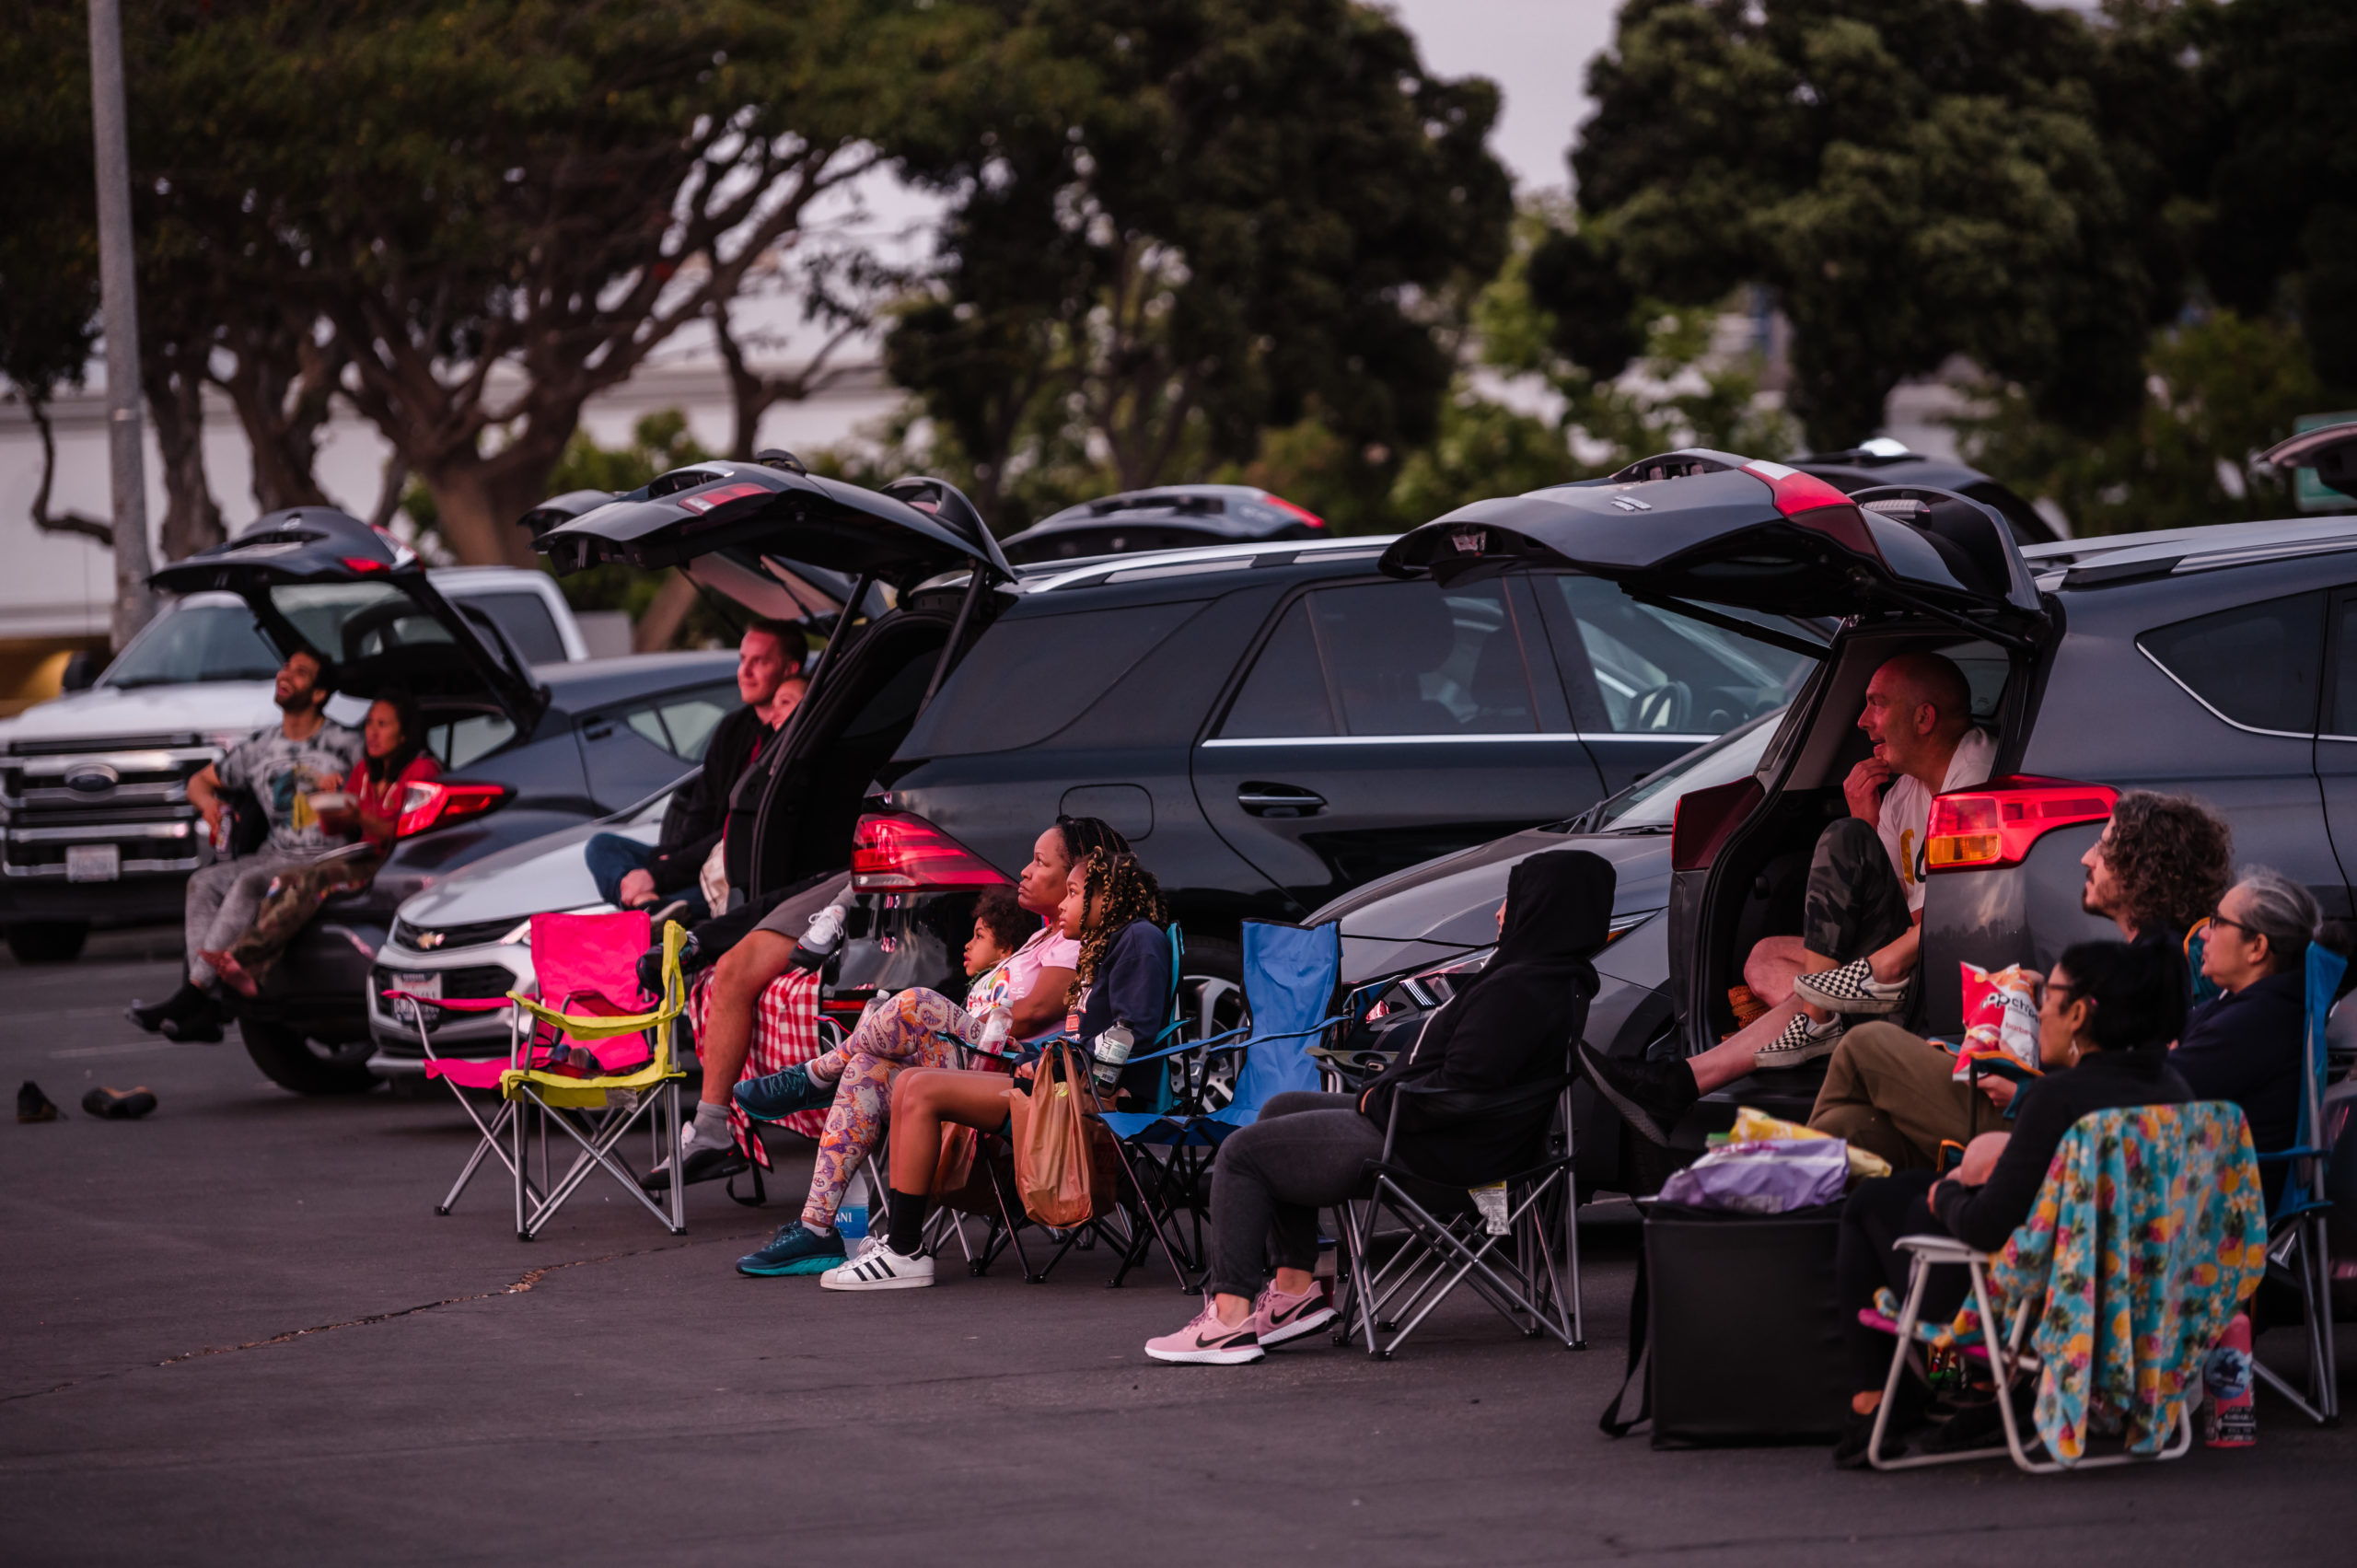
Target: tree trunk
479 499
659 627
175 402
280 387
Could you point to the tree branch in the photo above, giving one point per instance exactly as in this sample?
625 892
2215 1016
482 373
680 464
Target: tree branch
62 522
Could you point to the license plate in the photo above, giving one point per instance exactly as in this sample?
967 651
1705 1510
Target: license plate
93 862
426 986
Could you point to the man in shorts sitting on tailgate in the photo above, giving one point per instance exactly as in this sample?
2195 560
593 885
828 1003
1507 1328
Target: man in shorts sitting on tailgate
1862 926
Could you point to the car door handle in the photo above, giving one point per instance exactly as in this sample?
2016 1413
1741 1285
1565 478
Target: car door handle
596 729
1278 799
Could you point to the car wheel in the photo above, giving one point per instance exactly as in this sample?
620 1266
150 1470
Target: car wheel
307 1066
50 942
1210 998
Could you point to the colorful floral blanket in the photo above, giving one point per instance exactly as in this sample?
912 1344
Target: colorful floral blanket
2149 1235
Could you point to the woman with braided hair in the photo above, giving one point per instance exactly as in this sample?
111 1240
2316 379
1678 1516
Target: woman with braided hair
1114 910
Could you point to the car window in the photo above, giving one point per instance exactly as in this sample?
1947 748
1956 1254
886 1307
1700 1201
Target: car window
1651 802
525 617
213 642
1389 658
2341 720
461 741
1285 693
1629 669
1031 675
683 725
355 621
2255 665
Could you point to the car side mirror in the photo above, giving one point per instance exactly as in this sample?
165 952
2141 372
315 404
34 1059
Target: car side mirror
81 671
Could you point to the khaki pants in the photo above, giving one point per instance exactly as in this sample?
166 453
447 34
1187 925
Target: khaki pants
1889 1092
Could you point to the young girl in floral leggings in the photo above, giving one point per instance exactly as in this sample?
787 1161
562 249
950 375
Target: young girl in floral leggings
916 1028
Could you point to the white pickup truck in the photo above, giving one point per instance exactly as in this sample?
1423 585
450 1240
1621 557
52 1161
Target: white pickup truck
94 783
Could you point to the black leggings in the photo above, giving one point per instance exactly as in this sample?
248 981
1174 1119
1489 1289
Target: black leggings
1306 1152
1877 1215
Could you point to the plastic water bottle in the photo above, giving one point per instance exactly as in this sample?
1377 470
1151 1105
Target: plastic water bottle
851 1218
997 1024
1113 1051
2230 1419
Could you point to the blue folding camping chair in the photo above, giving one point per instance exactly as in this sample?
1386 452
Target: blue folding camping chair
2298 1249
1290 973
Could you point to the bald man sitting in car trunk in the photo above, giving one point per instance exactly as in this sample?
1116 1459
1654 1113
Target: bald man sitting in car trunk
1861 925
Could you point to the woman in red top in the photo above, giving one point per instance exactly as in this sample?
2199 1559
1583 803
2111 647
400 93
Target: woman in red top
392 758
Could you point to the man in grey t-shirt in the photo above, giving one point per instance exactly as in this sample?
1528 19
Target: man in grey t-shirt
284 767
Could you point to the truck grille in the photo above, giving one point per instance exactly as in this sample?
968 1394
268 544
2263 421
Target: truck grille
128 791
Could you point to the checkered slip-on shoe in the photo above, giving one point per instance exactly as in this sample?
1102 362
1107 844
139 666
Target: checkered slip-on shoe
1803 1039
1852 989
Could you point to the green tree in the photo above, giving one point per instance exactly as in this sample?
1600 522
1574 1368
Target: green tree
1668 388
1180 225
2221 390
2282 229
1914 179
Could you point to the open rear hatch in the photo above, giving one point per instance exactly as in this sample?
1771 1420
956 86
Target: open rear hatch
320 579
778 522
1703 527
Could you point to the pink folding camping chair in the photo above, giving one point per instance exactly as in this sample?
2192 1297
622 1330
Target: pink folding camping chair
585 974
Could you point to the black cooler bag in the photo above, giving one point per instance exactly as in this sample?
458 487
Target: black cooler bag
1735 1331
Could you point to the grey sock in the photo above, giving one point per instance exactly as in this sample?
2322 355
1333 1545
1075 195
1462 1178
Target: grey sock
711 1128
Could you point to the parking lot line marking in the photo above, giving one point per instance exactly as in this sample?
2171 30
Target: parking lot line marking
132 1048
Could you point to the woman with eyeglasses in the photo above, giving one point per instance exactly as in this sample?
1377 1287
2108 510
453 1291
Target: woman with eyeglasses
2107 1015
2244 1046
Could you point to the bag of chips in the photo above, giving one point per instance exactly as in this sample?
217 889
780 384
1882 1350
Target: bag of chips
1999 1024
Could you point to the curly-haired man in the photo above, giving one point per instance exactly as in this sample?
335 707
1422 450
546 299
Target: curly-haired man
2162 864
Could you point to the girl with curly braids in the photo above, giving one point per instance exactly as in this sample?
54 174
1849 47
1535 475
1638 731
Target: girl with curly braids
1113 908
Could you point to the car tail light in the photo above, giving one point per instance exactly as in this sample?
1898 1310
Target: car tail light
1309 517
1705 818
705 500
1815 505
444 801
901 853
1996 823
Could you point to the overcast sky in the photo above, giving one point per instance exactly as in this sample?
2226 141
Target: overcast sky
1537 51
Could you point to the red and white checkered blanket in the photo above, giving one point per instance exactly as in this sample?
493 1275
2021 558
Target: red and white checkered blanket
785 1030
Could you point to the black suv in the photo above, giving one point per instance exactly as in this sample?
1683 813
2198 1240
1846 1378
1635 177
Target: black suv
2218 662
527 750
1270 724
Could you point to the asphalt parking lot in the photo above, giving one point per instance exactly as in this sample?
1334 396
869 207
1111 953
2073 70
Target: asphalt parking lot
237 1330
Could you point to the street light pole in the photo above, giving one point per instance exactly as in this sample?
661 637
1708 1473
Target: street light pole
119 295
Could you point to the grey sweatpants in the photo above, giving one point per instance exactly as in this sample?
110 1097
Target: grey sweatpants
1309 1151
224 897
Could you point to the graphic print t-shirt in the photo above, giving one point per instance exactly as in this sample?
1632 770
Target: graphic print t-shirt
284 773
1906 809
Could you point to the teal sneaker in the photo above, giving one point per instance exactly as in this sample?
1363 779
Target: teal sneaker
798 1249
782 1093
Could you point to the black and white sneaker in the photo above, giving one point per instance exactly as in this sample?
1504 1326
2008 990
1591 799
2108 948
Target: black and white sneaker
1852 988
1803 1039
880 1267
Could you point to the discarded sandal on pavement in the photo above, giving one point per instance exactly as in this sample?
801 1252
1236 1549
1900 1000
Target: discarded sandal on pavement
120 1105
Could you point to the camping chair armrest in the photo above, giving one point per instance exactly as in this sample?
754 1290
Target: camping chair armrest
1939 1248
2296 1152
450 1004
1318 1029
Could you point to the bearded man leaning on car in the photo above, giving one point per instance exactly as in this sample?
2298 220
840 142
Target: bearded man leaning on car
306 754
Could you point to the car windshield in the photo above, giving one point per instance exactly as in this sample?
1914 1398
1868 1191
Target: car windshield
208 642
1651 803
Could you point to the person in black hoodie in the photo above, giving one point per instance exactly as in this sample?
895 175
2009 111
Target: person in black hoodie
1512 1025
